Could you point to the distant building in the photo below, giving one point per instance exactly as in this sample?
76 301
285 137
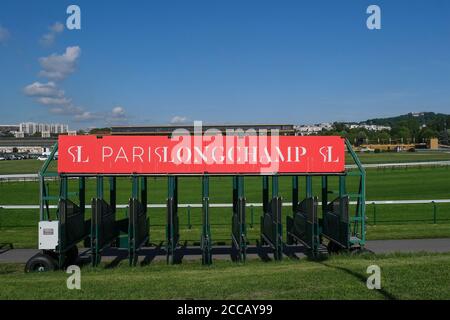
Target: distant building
167 130
19 134
312 129
30 128
370 127
9 127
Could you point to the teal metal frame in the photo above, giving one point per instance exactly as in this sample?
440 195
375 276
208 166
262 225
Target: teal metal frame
356 222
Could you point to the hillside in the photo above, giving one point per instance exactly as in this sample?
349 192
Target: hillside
432 120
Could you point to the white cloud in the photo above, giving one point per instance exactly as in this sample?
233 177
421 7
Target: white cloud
4 34
49 38
58 67
88 116
38 89
118 112
66 110
178 119
57 27
47 101
48 94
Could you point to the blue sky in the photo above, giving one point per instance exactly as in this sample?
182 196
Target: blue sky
157 62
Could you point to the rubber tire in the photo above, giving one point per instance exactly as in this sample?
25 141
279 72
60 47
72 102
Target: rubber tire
71 256
41 263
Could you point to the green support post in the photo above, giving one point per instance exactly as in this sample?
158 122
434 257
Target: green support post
94 240
434 212
374 214
324 194
206 232
265 193
235 193
100 187
316 236
278 253
361 213
64 188
132 232
82 194
309 191
135 187
61 246
243 231
42 194
294 193
252 216
189 217
172 218
112 193
274 186
144 193
342 193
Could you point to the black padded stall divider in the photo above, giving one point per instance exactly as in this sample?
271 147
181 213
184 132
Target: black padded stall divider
302 227
336 225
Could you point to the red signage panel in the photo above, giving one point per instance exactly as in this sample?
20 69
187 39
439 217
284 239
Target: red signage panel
200 154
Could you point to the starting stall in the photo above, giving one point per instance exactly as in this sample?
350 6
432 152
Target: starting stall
323 214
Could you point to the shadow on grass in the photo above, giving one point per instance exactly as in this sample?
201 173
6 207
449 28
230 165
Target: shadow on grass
387 295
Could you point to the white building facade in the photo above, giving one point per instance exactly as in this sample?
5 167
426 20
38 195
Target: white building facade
31 128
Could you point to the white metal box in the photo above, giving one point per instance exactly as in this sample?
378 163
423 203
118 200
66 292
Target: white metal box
48 235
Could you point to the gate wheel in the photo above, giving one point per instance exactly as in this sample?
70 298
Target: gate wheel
41 263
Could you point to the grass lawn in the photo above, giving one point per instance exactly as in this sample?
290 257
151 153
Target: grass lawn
382 184
20 226
23 166
33 166
394 157
404 276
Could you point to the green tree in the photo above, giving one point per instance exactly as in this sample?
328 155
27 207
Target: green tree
427 133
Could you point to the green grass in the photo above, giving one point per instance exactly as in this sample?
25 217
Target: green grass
23 166
395 157
404 276
20 226
408 231
33 166
387 184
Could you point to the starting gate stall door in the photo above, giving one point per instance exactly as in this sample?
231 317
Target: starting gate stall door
271 227
73 227
173 227
336 226
105 229
138 227
206 241
303 226
238 234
